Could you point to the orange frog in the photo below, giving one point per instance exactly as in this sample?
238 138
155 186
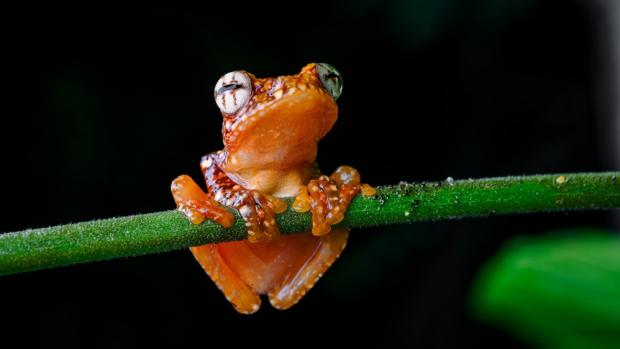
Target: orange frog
271 131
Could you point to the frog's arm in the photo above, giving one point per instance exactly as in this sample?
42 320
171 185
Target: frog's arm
196 204
328 198
256 209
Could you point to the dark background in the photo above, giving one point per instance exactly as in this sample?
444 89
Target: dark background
106 105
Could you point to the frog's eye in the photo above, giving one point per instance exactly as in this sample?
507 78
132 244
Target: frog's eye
233 91
331 79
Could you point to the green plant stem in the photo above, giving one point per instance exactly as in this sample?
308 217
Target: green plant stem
397 204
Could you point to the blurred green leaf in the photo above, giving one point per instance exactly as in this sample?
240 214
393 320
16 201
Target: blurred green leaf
561 290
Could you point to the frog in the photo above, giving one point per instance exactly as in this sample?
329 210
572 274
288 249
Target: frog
271 129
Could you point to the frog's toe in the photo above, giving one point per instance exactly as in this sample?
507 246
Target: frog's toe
197 211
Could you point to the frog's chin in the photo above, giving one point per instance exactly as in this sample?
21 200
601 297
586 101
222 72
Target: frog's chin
284 134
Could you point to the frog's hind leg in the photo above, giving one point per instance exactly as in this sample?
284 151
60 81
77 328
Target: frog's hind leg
294 287
236 291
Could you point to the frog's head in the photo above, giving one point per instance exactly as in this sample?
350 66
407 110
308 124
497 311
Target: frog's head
277 122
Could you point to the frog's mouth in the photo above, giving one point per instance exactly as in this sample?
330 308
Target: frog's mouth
285 133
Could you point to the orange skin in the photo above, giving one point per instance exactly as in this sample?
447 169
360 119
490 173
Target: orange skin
270 147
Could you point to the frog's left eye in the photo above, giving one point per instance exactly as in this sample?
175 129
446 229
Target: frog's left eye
331 79
233 91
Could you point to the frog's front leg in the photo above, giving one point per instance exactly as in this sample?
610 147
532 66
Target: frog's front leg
257 210
328 198
196 204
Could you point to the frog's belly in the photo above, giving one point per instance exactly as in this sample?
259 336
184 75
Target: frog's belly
265 265
279 183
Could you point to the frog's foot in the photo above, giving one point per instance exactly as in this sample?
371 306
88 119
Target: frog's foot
328 198
257 210
192 201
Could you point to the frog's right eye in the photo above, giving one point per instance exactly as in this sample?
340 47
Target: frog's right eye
233 91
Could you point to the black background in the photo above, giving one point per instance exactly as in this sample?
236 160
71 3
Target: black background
106 105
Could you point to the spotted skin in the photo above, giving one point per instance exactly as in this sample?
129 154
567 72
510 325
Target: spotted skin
266 92
270 136
254 208
328 198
